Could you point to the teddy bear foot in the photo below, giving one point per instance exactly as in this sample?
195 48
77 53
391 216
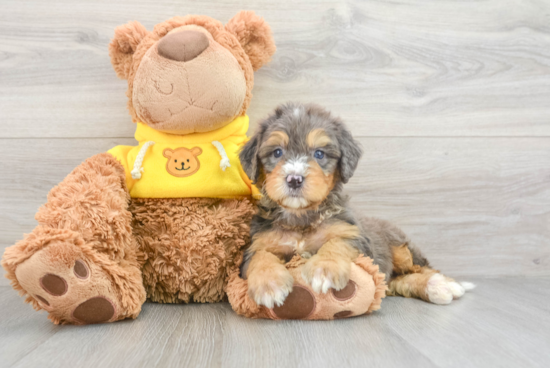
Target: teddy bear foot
356 298
71 281
362 295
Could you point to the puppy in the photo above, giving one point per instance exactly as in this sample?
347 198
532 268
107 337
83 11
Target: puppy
299 158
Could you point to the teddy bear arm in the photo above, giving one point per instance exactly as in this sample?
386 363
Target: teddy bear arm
80 262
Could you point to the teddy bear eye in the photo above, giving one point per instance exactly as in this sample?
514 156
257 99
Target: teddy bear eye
187 160
175 160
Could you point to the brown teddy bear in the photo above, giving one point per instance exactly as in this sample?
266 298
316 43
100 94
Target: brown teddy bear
165 220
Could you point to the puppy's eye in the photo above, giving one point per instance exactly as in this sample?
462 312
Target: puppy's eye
277 153
319 155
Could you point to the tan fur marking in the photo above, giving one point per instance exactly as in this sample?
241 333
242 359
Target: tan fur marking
317 184
338 248
403 260
325 233
277 138
318 138
277 242
274 183
413 285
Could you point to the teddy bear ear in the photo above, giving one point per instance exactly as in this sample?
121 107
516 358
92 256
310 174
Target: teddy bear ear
124 44
254 35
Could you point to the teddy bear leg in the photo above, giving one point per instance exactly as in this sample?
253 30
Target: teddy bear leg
80 263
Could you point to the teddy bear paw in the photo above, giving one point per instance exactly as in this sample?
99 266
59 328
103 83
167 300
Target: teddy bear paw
69 286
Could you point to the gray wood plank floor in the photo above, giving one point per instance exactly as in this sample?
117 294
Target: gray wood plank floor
502 323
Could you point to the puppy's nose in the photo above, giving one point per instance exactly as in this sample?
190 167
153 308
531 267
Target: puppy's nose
294 181
183 46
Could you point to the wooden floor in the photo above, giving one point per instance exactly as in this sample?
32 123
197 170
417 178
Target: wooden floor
502 323
451 102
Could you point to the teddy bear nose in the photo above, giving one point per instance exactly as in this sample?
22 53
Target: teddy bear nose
183 46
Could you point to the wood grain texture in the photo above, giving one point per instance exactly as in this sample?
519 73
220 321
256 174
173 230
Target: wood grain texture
504 322
389 68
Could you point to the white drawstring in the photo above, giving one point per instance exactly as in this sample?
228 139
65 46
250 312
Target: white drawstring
136 172
224 162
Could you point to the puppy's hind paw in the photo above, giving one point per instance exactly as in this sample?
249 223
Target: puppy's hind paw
456 289
439 290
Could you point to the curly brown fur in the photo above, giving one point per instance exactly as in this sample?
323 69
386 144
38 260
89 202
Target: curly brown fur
299 157
88 213
187 247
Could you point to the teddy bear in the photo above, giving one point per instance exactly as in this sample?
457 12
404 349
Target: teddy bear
167 220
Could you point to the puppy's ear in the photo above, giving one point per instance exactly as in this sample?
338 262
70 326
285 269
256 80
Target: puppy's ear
350 151
250 153
124 44
254 35
249 157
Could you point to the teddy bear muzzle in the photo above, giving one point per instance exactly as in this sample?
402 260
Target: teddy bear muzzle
183 46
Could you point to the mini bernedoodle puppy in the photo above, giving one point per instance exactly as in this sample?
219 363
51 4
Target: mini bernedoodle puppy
299 158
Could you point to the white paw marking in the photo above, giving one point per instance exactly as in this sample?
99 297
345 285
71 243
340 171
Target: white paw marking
321 282
456 289
442 291
438 289
272 294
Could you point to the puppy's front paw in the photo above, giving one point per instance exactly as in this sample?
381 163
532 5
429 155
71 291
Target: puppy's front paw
270 287
325 274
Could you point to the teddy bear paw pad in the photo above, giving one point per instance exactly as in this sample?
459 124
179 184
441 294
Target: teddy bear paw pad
94 310
53 284
70 287
299 304
346 293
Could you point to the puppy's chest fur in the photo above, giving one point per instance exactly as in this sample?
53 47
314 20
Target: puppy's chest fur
306 241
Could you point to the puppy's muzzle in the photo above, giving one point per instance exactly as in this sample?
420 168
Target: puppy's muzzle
294 181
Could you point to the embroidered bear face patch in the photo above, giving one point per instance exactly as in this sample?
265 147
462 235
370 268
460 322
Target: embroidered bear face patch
182 161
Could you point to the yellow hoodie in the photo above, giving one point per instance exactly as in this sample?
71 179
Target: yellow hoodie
206 165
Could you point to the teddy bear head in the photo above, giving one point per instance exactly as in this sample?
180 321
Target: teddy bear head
192 73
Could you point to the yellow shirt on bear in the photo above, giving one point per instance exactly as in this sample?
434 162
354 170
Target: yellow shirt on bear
206 165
